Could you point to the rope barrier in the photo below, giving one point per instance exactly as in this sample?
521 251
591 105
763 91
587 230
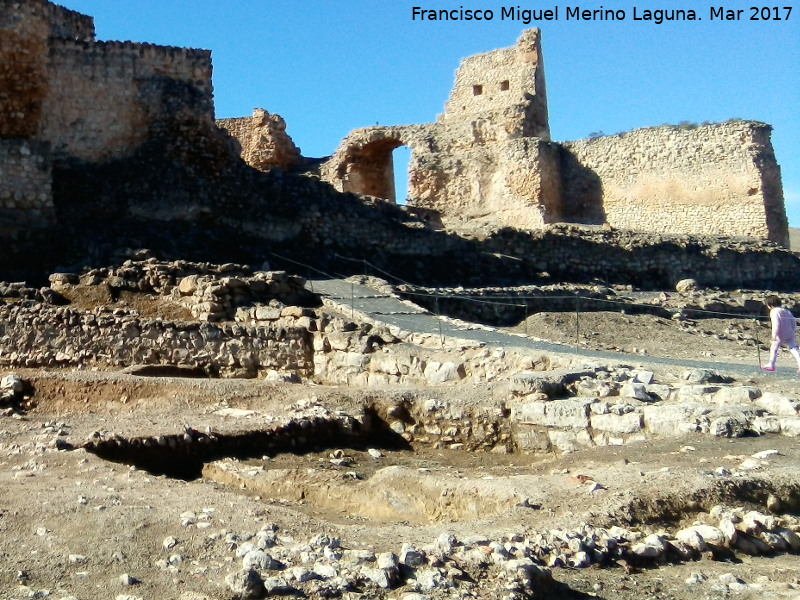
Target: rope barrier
509 300
513 300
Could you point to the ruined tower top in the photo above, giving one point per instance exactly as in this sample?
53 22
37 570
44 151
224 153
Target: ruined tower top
504 89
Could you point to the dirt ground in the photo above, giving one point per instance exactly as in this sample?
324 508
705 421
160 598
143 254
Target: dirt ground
73 525
722 340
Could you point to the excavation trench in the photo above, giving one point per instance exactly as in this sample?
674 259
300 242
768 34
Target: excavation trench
426 486
183 455
669 509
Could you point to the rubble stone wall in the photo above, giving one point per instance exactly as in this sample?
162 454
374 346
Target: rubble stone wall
263 139
40 337
719 179
25 184
100 106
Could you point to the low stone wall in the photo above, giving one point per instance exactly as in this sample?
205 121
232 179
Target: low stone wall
33 336
567 411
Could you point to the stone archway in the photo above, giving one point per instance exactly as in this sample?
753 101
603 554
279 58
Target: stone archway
371 170
364 163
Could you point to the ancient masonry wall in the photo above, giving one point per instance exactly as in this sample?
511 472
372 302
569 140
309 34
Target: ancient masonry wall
25 184
486 160
65 96
30 336
100 106
69 24
487 163
504 90
24 30
719 179
263 140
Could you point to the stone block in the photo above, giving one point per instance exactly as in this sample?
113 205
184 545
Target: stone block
736 395
790 426
768 424
569 441
673 420
267 313
436 372
659 391
635 390
566 414
696 393
777 404
530 439
618 424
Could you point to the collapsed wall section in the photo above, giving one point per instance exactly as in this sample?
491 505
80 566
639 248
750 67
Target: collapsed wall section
263 140
719 179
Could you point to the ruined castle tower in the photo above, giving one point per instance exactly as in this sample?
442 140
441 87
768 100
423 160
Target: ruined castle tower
487 159
502 92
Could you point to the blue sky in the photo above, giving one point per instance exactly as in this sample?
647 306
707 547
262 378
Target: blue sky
330 66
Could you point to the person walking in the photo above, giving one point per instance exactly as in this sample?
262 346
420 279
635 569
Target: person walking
784 331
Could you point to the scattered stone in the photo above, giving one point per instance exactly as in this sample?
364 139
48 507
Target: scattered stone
247 583
169 543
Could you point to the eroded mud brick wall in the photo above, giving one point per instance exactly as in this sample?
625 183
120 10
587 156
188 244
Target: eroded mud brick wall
720 179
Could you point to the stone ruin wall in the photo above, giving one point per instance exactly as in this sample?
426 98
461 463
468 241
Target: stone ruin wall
25 184
65 96
482 160
487 163
106 95
514 182
501 94
36 337
69 24
24 31
719 179
263 140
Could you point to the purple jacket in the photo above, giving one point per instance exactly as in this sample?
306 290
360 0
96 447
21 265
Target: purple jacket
784 325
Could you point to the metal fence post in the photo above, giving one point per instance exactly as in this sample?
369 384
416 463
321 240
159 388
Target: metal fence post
526 317
577 320
438 318
758 344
